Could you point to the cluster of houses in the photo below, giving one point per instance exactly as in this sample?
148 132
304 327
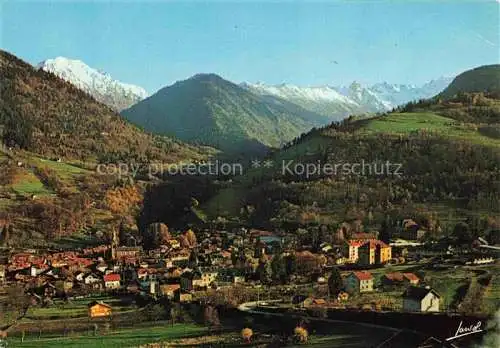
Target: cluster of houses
177 272
170 270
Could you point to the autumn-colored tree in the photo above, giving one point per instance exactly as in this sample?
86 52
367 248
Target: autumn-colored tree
183 241
247 334
123 200
191 238
301 335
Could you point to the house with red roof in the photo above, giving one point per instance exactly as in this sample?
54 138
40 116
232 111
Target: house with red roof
169 290
396 278
112 281
351 249
358 282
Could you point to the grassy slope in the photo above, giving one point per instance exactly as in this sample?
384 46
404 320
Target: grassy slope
28 184
404 123
122 338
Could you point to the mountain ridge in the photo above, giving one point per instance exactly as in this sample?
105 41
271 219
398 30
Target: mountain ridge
208 109
482 79
338 102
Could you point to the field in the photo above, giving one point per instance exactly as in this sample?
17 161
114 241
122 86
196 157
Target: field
28 184
122 338
491 297
74 309
189 335
404 123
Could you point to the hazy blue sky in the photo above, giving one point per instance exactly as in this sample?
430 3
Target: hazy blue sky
153 44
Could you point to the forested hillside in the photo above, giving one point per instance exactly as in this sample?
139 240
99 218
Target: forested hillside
40 112
52 137
206 109
449 157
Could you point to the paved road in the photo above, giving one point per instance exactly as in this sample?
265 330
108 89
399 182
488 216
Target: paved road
393 333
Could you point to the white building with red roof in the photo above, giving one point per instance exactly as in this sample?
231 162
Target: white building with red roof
358 282
112 281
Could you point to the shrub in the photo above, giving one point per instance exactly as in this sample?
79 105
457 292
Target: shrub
247 334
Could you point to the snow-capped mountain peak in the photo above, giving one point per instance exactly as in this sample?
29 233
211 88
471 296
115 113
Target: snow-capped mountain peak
97 83
338 102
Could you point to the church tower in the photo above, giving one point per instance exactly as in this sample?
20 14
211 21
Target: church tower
115 242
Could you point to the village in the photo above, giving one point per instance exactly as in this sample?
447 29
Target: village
359 273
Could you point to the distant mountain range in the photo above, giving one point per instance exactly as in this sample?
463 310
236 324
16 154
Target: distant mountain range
212 111
338 102
334 102
100 85
209 110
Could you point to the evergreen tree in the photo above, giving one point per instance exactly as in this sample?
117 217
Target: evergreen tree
335 282
385 234
278 267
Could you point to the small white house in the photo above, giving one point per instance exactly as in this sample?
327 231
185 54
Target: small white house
92 279
417 299
80 276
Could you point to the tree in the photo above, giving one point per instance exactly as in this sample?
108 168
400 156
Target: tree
18 130
156 312
155 234
278 267
5 235
247 334
335 282
290 264
14 308
462 233
191 238
193 259
385 234
265 272
211 316
122 234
